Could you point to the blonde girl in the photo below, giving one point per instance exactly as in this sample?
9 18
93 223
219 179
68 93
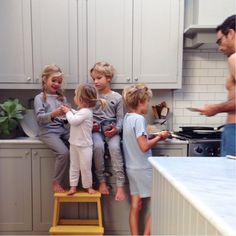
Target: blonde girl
53 132
81 144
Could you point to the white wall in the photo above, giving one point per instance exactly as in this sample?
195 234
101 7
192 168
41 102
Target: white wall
204 73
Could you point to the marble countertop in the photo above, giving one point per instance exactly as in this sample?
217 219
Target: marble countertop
208 183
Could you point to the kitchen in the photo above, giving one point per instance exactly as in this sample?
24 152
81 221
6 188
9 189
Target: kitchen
202 70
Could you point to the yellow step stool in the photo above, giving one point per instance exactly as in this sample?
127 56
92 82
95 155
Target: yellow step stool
76 226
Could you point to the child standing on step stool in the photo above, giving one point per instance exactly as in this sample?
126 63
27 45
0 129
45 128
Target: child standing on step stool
81 144
137 148
102 74
54 131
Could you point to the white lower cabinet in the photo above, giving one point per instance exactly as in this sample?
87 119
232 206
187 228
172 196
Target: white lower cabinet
26 199
176 150
15 185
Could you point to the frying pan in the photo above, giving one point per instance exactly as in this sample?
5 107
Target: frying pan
199 128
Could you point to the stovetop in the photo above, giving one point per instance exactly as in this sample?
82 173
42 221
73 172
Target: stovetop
203 135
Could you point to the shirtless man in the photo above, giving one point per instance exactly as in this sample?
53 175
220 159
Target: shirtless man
226 39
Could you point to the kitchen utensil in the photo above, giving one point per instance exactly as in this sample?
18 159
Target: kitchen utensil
164 112
193 109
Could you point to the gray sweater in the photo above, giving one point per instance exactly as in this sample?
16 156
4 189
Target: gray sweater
43 112
114 109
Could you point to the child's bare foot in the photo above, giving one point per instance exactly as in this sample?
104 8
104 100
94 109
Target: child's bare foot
72 191
91 190
103 189
120 194
57 188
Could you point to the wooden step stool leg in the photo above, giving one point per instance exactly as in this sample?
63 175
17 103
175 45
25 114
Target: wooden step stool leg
56 211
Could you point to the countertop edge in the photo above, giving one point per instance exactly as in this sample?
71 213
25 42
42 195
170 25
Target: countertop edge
220 225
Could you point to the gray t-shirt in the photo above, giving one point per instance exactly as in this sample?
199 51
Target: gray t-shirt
114 109
43 111
134 126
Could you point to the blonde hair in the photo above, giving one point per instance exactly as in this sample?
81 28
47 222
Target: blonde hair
88 94
135 94
103 68
48 71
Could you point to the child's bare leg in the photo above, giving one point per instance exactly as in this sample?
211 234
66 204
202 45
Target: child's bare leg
72 190
103 188
120 194
57 187
136 204
91 190
147 229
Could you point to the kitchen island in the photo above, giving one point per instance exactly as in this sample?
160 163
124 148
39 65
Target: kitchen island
194 196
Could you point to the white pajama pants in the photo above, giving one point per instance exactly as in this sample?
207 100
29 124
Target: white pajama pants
81 161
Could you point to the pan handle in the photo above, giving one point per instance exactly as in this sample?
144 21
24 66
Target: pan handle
219 127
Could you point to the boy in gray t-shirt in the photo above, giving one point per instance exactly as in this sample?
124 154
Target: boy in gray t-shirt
107 127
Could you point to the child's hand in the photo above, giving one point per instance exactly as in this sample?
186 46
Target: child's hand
96 126
65 109
111 131
57 112
164 134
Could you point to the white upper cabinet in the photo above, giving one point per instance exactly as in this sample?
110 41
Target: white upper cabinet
54 25
141 38
15 42
40 32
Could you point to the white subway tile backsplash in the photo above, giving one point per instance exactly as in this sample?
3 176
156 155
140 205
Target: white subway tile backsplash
221 64
208 64
215 72
216 56
178 112
190 80
220 80
220 96
216 88
204 76
206 96
182 104
191 96
191 64
207 80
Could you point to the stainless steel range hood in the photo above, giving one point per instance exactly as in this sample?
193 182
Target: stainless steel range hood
197 35
202 18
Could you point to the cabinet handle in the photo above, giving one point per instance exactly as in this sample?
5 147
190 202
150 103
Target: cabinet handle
136 79
37 79
27 153
28 79
128 79
35 153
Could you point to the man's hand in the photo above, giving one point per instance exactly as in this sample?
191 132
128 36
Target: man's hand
208 110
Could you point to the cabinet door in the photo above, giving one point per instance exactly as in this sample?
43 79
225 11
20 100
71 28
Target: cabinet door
157 42
15 46
170 150
110 36
43 162
55 36
15 185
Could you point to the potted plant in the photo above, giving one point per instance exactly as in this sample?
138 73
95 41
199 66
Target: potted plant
11 112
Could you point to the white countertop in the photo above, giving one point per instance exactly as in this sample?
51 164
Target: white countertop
28 140
21 140
208 183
